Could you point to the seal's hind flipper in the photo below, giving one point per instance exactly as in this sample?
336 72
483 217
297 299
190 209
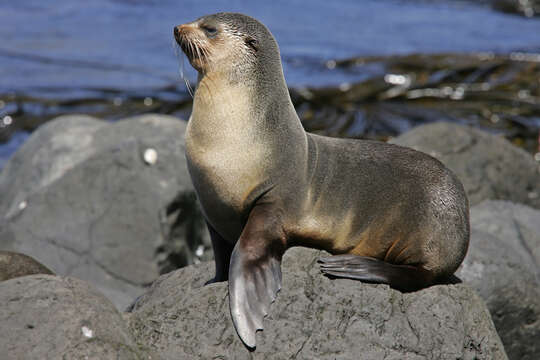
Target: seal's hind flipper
401 277
252 288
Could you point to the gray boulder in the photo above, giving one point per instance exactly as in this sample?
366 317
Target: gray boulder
315 318
110 203
13 265
489 166
503 266
49 317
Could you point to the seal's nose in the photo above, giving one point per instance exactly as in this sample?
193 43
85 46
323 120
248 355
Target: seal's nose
180 31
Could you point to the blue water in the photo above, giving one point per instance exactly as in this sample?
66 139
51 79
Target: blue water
128 44
134 37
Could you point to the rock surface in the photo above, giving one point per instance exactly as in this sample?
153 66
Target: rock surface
14 265
49 317
315 318
109 203
489 166
503 265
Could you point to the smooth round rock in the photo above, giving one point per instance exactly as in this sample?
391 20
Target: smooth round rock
49 317
503 265
315 317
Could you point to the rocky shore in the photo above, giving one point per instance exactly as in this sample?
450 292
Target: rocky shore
499 93
110 209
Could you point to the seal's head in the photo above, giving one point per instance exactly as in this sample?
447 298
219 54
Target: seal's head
229 43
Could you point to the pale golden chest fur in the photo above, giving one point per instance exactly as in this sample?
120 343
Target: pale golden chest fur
225 154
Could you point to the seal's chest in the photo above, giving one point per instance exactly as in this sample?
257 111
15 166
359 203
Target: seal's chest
226 156
225 173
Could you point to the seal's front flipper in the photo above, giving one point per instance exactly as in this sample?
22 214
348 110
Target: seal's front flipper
253 286
401 277
255 274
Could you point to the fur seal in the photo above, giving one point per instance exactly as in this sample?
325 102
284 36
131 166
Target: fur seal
388 214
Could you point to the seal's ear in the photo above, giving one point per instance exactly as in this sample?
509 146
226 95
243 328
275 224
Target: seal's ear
252 43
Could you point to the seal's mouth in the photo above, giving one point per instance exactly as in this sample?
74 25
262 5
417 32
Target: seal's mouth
187 44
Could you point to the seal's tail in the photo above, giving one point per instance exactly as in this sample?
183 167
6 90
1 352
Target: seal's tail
368 269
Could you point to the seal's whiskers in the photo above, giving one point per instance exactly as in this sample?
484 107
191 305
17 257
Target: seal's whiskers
178 54
186 81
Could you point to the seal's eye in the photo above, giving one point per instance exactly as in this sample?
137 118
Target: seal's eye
209 30
252 43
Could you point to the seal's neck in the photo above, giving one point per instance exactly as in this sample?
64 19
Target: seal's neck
225 110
